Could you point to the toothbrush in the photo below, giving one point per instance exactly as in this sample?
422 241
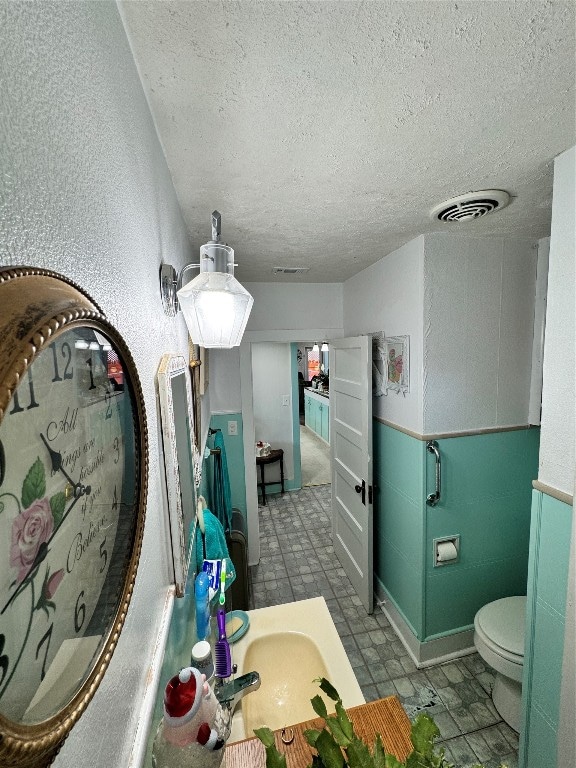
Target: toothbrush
222 659
222 598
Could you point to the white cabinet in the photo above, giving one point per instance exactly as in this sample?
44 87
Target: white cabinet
317 414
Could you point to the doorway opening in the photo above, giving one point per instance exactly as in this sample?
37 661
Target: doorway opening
291 410
313 363
314 459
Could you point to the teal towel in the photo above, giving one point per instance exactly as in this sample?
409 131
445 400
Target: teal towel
216 548
222 499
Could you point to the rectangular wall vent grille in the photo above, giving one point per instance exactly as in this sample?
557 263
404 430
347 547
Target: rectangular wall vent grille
290 270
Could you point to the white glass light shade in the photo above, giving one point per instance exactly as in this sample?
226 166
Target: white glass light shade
216 309
324 347
315 348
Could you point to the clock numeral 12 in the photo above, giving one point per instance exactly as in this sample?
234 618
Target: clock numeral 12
66 353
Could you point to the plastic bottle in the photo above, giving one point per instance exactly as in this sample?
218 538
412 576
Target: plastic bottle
202 659
202 605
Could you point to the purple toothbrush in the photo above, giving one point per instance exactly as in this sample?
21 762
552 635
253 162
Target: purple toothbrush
222 660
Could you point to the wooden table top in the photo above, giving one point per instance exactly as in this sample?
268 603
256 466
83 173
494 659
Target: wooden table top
384 716
274 455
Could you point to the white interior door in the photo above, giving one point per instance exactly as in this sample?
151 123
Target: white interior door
351 449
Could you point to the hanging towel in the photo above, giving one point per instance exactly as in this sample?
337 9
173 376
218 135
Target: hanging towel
215 543
222 500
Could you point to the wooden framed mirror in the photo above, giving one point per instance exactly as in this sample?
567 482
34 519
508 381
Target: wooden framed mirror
181 459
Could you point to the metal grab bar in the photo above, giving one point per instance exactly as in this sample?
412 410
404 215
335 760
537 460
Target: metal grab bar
433 498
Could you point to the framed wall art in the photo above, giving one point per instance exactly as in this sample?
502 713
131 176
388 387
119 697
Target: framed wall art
397 352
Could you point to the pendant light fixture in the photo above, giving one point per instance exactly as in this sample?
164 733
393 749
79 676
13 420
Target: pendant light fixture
215 305
324 347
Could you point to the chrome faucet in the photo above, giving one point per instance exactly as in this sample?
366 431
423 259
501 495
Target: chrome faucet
230 694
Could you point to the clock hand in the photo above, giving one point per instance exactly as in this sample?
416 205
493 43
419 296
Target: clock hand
79 489
40 556
57 461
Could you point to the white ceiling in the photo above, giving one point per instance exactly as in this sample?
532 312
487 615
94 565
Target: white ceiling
324 132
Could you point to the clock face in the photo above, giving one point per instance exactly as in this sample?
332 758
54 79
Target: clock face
68 491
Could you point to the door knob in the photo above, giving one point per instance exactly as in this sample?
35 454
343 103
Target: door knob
361 489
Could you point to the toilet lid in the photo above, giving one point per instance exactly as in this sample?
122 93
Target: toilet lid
503 623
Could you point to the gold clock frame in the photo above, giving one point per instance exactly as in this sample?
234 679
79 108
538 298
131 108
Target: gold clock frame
36 305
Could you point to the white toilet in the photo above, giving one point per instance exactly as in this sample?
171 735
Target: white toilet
499 639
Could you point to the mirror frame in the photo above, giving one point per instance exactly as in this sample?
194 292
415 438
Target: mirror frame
170 367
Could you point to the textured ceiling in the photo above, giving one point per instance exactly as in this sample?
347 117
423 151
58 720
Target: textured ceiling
324 132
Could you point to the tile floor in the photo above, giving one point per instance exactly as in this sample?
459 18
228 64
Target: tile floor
298 562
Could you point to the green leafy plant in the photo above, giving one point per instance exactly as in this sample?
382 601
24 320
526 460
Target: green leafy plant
337 745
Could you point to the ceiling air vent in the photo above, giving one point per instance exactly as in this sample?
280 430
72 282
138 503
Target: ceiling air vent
290 270
471 206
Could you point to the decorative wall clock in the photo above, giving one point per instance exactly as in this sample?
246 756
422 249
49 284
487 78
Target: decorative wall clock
73 481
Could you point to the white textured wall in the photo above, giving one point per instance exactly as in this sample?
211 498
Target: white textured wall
388 296
557 430
280 312
272 379
541 294
478 325
224 380
295 306
85 191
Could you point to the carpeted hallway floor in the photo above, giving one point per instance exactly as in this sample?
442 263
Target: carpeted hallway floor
314 458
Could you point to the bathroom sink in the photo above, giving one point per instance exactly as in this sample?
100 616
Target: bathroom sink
289 646
288 662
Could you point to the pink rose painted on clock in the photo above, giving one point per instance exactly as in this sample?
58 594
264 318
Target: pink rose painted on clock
32 528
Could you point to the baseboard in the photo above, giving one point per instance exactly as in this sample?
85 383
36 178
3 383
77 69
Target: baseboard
431 652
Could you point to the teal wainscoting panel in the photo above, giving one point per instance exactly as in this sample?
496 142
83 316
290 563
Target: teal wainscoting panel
486 496
547 652
181 638
399 520
545 614
234 445
542 743
451 596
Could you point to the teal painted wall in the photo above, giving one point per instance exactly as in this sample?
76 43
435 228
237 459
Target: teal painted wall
177 653
486 498
486 489
399 520
234 445
545 612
